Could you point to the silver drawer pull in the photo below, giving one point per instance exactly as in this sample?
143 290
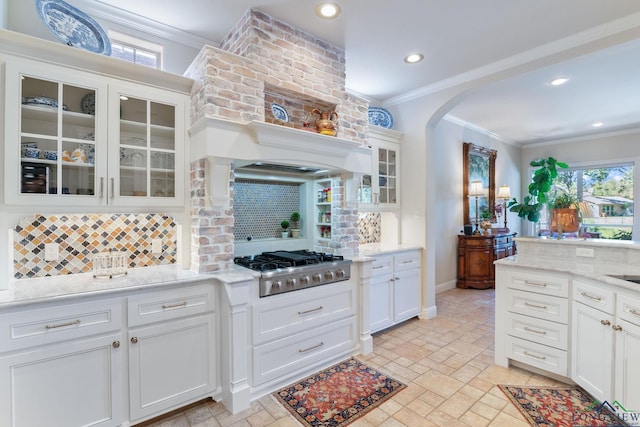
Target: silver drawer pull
528 304
535 331
538 284
378 267
584 294
408 262
634 312
182 304
61 325
535 355
311 311
311 348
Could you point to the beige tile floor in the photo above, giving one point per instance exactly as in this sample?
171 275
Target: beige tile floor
447 363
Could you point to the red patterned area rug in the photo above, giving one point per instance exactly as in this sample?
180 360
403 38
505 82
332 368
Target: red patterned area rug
564 406
337 396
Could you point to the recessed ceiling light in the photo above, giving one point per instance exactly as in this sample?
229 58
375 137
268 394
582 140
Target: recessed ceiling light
597 124
413 58
559 81
328 10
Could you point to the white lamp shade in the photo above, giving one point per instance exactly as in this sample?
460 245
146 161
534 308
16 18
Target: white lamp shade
475 189
504 192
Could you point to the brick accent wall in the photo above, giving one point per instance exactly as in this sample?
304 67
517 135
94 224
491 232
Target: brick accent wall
264 60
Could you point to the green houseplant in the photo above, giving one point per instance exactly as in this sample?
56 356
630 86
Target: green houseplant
285 226
295 225
539 188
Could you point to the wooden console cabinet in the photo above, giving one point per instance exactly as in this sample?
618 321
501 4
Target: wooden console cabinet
476 254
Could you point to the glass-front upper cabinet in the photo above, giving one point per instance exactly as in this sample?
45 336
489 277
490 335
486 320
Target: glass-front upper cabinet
380 189
50 135
149 158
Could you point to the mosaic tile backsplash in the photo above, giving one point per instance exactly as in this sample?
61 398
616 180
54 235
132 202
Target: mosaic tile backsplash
260 206
81 235
369 227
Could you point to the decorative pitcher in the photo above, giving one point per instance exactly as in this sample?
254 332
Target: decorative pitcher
326 121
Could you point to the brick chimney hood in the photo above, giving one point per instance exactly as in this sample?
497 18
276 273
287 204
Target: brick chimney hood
264 61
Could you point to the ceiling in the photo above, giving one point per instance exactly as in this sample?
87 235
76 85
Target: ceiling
593 42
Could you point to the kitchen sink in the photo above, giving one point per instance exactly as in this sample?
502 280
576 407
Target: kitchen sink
628 278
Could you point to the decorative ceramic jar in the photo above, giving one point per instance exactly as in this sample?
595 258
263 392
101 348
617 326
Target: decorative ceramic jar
326 122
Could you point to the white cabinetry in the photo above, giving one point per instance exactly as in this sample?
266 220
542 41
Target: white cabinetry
381 189
171 349
532 322
62 366
70 364
606 342
395 291
80 139
296 330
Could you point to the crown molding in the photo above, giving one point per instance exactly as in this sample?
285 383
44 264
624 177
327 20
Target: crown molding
98 9
467 125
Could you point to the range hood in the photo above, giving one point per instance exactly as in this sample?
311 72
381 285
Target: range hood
271 144
280 169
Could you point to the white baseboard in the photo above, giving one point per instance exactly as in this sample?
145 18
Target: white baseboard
445 286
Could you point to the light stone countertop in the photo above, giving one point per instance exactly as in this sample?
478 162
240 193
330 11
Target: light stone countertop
372 249
79 286
584 267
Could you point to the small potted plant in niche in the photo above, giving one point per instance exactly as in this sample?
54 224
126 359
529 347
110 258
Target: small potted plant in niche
285 228
564 214
540 185
295 225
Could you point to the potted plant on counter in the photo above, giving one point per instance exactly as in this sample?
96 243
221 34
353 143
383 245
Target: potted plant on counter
285 228
540 185
564 214
295 225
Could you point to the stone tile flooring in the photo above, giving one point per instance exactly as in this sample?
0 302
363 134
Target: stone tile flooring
447 363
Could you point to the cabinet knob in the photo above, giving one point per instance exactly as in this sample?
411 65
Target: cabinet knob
134 340
116 344
617 327
606 323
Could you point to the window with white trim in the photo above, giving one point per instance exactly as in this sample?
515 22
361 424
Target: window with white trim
138 51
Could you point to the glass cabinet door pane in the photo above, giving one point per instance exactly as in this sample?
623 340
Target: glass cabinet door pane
39 107
365 193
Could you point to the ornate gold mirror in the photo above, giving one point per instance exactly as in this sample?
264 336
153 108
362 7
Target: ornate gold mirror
479 164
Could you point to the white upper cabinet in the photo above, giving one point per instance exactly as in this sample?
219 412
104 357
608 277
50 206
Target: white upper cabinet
79 139
380 190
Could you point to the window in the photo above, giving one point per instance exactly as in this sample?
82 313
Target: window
136 50
605 195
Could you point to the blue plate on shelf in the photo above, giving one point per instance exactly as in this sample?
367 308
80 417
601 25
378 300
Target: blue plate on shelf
72 26
380 117
280 113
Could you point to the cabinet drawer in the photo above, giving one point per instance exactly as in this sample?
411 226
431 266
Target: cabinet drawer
542 306
543 357
283 357
534 281
537 330
282 315
62 322
382 264
628 308
166 305
594 296
406 260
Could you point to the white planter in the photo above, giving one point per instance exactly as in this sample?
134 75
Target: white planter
285 234
295 233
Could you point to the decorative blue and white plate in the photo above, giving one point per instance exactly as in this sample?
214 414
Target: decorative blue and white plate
280 113
380 117
72 26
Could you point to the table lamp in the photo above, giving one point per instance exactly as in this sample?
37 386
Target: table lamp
476 190
504 193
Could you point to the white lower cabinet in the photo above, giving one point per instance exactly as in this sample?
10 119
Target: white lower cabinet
169 364
294 331
72 384
395 289
69 364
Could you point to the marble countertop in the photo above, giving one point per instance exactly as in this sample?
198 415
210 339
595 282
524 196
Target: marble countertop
371 249
596 243
588 269
47 289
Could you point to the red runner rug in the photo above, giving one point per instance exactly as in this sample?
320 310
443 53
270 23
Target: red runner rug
565 406
338 395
